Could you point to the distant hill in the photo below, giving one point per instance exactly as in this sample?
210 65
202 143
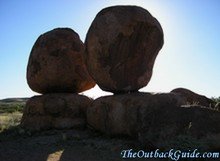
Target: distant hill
14 100
10 105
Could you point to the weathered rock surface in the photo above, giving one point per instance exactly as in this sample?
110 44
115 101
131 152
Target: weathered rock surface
191 126
153 118
56 63
121 46
59 111
192 98
121 114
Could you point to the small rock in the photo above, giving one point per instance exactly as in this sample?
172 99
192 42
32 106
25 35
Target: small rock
192 98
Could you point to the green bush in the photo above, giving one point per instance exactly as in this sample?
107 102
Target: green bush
216 99
11 107
217 102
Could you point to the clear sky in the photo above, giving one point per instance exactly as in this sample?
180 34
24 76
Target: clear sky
190 57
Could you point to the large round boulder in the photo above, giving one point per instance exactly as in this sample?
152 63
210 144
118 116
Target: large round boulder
121 46
56 63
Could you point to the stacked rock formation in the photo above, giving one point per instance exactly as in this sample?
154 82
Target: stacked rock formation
121 46
56 68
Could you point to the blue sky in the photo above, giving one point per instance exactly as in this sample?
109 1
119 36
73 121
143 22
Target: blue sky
190 57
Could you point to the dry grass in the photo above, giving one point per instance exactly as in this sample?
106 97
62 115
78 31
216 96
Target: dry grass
8 120
11 112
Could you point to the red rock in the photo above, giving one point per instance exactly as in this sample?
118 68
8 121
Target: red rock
194 98
121 114
56 63
60 111
121 46
152 118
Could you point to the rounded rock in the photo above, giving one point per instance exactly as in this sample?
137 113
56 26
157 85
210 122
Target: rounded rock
192 98
121 46
56 63
55 110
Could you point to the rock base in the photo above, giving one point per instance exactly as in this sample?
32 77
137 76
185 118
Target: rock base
58 111
123 114
152 118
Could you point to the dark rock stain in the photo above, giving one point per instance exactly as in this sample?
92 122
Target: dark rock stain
128 51
36 67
